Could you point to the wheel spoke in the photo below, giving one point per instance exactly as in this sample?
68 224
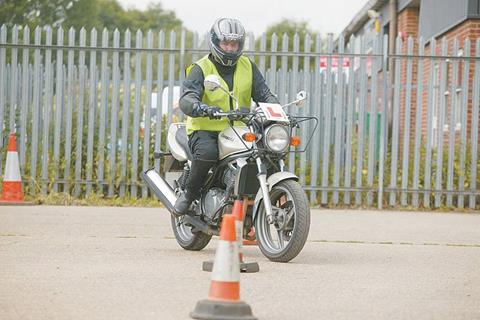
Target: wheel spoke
288 216
280 239
273 234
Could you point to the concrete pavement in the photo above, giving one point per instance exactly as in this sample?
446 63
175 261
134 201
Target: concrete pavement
123 263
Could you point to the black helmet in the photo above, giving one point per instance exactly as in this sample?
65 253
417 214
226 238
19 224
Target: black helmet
225 29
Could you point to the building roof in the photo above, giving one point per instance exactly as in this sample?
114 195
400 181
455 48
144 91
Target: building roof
362 17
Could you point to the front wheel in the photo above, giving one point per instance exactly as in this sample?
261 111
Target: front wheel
186 238
283 240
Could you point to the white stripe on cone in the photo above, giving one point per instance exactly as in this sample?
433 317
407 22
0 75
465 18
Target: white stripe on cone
12 169
239 230
226 263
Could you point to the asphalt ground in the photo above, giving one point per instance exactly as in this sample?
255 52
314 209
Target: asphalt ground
123 263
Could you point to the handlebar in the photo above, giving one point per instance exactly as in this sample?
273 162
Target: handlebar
234 114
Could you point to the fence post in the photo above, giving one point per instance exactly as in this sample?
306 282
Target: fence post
418 123
160 106
148 105
338 120
69 110
104 89
453 116
112 159
58 109
24 99
37 78
47 110
293 88
136 112
406 129
428 144
328 120
125 113
372 128
384 123
316 103
441 112
474 127
304 109
395 121
463 121
361 124
92 105
350 121
13 78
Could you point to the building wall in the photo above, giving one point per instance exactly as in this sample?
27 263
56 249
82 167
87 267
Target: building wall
408 27
468 29
439 16
408 22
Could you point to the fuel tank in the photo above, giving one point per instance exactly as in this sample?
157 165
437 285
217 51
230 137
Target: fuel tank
230 141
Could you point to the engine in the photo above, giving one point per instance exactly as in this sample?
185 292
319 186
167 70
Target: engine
212 202
214 199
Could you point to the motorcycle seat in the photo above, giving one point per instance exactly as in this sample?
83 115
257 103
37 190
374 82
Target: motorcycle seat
182 139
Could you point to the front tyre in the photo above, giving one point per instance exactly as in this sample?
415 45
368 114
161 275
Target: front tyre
186 239
283 240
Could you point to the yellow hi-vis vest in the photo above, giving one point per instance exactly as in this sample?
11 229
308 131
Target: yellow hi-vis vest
242 90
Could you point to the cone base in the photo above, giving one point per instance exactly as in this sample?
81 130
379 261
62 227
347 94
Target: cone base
15 203
245 267
222 310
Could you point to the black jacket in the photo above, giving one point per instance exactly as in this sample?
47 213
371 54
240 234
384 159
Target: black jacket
193 86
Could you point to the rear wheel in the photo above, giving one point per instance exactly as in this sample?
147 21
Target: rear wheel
186 238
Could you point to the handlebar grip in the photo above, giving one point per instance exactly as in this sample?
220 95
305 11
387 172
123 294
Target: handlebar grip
160 154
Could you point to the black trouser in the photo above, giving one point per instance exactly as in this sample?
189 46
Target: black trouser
204 148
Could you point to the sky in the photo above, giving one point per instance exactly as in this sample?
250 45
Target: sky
323 16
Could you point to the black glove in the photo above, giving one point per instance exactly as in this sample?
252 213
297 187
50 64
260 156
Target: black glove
203 110
209 111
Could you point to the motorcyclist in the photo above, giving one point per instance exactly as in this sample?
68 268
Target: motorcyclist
241 75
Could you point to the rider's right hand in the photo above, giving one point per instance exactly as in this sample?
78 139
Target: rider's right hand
203 110
211 112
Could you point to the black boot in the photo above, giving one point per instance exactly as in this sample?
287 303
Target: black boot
197 177
182 204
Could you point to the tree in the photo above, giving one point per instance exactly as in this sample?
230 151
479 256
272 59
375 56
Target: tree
86 13
290 28
109 14
155 18
34 12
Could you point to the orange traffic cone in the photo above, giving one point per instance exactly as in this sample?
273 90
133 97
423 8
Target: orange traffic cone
12 182
239 214
250 237
224 297
246 267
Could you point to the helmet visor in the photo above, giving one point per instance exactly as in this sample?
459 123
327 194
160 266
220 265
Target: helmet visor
230 46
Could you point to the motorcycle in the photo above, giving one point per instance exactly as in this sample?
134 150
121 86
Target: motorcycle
251 166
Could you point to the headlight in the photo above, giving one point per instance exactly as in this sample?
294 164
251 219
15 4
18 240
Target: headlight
277 138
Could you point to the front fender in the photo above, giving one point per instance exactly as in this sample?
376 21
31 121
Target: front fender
272 180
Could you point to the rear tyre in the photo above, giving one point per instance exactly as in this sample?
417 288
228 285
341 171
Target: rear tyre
186 239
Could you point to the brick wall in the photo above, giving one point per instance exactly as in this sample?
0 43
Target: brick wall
408 27
468 29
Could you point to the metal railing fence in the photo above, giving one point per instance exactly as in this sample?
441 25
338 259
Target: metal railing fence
88 112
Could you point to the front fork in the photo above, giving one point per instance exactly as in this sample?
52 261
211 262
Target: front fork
262 179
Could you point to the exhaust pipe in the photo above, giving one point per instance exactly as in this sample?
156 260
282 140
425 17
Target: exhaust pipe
165 194
160 187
